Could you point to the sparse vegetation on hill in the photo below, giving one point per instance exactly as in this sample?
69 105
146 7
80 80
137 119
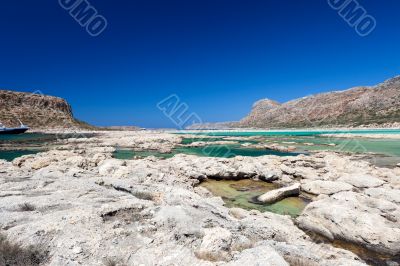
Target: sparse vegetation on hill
354 107
37 111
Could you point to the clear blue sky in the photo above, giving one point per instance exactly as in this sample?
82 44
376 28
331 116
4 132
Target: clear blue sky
219 56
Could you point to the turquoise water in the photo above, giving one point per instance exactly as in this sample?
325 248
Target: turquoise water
224 151
292 133
38 137
11 155
187 141
22 137
29 143
358 145
229 151
383 152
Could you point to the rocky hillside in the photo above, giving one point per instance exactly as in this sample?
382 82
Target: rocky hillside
357 106
37 111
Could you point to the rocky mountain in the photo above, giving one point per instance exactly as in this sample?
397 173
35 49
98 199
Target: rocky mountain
37 111
213 126
357 106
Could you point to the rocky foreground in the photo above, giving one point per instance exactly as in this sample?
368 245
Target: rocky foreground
85 208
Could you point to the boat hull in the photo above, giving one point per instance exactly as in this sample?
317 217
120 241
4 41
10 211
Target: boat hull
13 131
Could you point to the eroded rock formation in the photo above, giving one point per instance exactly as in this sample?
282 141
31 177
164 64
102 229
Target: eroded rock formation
37 111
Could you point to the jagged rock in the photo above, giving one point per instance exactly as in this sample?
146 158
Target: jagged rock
215 245
325 187
369 222
151 211
110 166
279 194
307 255
270 176
388 194
362 181
37 111
238 213
260 255
273 147
207 143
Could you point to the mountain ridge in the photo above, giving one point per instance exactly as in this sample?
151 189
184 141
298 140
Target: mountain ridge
354 107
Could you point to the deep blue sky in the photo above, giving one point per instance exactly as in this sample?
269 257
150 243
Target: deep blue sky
219 56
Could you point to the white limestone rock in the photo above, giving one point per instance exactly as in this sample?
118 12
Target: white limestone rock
279 194
369 222
318 187
215 245
260 255
362 181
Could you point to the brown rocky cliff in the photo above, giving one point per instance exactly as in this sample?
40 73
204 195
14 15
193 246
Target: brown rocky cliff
36 110
353 107
359 106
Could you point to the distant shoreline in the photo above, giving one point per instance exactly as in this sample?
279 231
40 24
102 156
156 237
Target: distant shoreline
381 133
291 130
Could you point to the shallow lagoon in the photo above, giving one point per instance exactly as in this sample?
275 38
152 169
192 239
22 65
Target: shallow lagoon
11 155
243 192
14 146
381 152
291 132
223 151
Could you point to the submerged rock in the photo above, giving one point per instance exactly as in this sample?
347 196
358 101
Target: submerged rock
279 194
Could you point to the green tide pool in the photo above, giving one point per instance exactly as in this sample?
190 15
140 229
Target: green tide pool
242 194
